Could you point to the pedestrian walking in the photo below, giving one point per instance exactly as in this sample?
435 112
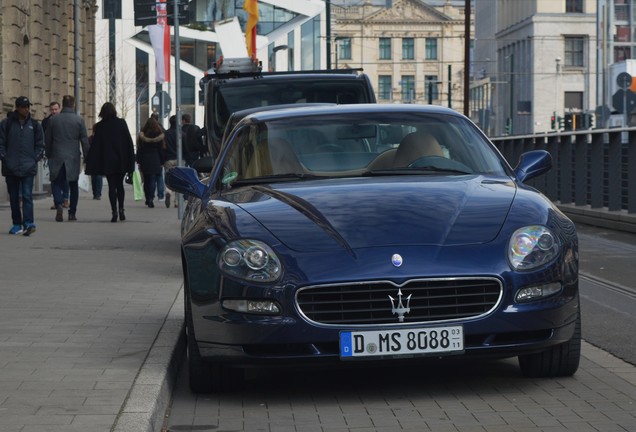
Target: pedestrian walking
150 148
54 109
188 153
66 141
112 155
21 147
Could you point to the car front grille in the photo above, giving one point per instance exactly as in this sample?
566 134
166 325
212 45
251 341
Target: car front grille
369 303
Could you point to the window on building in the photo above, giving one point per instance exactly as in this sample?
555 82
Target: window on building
408 49
574 6
623 33
344 48
622 53
432 89
431 49
573 101
385 48
574 51
408 88
384 87
621 11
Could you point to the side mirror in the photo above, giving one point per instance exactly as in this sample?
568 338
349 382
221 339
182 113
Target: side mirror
532 164
185 180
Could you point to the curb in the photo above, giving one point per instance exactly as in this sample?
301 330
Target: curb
151 392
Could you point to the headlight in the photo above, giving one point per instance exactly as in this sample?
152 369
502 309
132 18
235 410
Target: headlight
251 260
531 247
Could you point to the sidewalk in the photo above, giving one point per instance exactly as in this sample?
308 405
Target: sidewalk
87 329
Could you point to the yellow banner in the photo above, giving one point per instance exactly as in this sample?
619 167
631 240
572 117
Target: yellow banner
251 7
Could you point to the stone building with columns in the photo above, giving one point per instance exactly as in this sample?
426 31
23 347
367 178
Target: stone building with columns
39 42
412 50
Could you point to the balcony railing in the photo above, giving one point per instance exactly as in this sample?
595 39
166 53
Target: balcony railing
595 168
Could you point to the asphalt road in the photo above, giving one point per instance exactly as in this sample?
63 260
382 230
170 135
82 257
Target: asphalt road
608 290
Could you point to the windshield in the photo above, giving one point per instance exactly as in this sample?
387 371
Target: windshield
327 146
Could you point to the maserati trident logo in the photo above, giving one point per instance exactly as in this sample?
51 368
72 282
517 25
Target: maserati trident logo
400 310
397 260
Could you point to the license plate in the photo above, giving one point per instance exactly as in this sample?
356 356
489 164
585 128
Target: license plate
401 342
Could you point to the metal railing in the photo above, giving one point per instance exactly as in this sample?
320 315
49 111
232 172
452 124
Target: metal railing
595 167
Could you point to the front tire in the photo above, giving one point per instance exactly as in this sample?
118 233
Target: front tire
557 361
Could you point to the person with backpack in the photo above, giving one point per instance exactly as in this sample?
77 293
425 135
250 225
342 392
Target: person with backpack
21 148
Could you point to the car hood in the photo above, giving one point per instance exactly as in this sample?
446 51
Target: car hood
322 215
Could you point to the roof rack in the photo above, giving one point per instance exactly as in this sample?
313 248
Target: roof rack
250 68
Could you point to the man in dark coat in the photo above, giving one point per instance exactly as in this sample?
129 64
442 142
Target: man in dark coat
65 134
54 109
21 147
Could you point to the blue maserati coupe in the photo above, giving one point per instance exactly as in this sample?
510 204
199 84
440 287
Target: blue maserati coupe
372 233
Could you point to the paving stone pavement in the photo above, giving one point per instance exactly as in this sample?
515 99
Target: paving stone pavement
87 329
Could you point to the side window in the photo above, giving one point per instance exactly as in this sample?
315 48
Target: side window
240 153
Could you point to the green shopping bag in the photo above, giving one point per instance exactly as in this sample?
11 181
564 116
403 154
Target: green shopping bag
138 188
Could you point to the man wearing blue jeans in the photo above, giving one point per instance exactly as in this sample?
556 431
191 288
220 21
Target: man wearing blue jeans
21 147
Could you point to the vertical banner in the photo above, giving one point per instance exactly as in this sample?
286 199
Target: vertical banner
160 40
251 7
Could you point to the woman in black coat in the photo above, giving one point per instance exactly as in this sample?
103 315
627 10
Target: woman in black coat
150 156
112 154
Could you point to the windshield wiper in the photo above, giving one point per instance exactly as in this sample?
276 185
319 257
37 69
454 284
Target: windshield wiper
279 177
414 171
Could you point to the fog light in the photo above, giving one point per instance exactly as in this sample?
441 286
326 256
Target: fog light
264 307
525 295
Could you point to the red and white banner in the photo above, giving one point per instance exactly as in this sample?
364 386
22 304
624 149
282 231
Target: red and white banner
160 41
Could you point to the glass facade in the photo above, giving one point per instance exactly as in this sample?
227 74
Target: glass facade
205 12
310 44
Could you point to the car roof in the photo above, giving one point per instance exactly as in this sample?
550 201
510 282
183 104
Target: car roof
301 111
289 77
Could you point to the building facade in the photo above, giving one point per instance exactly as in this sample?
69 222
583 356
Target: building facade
41 43
533 60
412 50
